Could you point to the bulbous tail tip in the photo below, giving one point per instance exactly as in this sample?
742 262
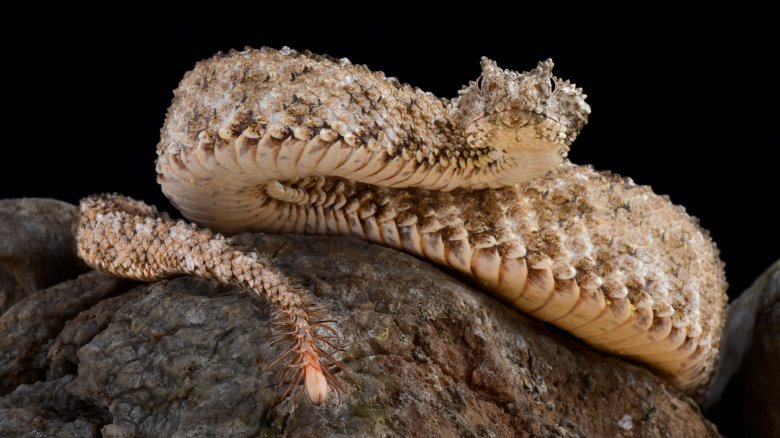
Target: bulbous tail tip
316 385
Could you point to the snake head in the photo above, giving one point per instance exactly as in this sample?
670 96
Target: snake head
527 115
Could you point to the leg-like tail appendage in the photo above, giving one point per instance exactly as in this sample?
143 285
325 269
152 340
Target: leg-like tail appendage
128 238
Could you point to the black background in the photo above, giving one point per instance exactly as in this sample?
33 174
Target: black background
686 102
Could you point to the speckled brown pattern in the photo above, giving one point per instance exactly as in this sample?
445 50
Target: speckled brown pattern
282 141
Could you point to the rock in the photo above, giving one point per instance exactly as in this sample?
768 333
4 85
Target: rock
738 330
762 373
47 409
746 392
30 327
428 356
37 246
63 352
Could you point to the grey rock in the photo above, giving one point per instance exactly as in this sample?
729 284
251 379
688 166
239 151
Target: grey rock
428 355
77 332
759 378
738 331
745 395
37 246
31 325
46 409
761 393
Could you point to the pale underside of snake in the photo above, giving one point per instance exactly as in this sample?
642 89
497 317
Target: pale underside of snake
282 141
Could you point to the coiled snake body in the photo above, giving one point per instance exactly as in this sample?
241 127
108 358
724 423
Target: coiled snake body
282 141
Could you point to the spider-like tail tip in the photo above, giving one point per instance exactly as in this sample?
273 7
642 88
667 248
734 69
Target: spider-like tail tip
317 387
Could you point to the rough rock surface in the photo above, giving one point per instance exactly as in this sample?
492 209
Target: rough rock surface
30 326
749 378
37 246
47 409
429 356
762 389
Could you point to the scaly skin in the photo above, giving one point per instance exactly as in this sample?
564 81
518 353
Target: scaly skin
281 141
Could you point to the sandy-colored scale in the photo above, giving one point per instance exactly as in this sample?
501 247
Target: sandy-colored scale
564 297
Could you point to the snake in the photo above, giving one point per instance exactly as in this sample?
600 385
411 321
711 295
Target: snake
281 141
